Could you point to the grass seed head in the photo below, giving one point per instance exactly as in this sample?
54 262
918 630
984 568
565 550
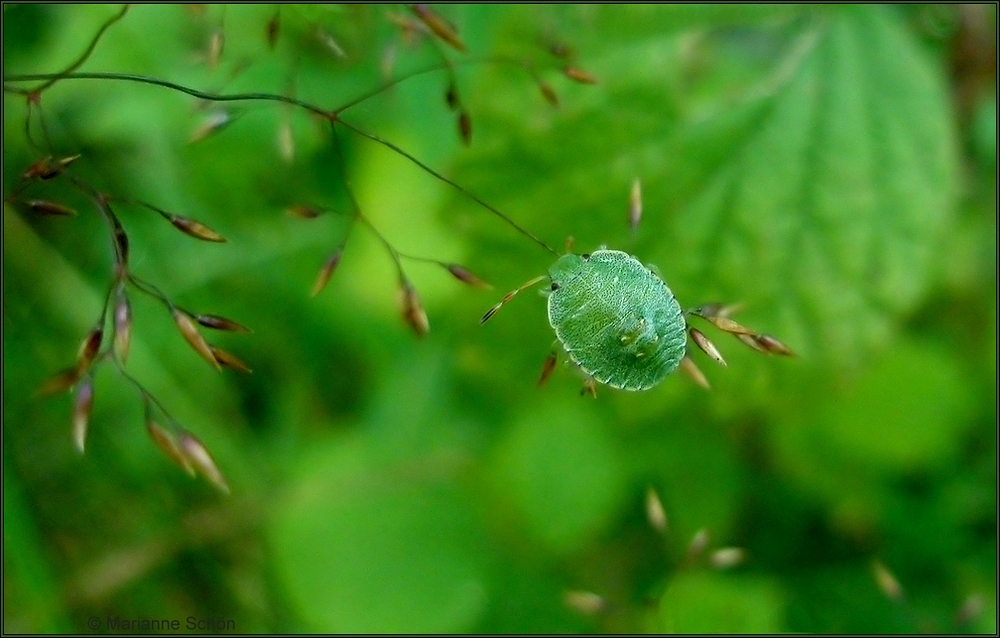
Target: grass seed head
549 94
465 127
197 455
579 75
585 602
215 322
45 207
186 325
324 274
229 360
439 26
463 274
727 557
655 514
89 348
706 345
195 229
547 368
123 324
83 405
413 310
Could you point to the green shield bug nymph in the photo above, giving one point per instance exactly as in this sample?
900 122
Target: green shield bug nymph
616 319
620 324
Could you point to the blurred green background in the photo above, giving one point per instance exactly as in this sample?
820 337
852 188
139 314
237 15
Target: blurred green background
831 168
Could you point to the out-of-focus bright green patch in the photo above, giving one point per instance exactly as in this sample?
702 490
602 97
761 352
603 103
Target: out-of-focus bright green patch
709 603
561 470
905 413
376 534
380 552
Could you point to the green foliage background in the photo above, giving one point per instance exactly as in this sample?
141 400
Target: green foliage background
832 168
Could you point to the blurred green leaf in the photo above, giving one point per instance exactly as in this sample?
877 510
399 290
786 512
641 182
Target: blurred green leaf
820 193
560 468
371 552
906 412
708 603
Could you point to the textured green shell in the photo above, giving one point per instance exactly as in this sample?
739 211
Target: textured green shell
616 319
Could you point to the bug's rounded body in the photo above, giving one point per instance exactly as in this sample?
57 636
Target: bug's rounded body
616 319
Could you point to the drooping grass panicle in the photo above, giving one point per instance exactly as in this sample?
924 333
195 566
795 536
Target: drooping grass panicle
181 446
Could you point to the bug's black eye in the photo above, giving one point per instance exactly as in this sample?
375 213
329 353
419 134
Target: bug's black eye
585 255
555 286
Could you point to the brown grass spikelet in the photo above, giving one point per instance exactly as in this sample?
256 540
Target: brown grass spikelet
691 369
167 442
751 341
706 345
413 311
59 382
451 97
584 602
887 582
697 545
216 322
45 207
728 325
547 368
726 557
195 228
655 514
439 26
324 274
635 205
549 94
89 348
273 30
465 127
123 324
83 404
213 123
579 75
197 455
773 346
189 330
216 44
304 211
464 275
229 360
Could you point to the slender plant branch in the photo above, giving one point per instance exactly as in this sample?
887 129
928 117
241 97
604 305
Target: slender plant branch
86 54
272 97
461 189
358 215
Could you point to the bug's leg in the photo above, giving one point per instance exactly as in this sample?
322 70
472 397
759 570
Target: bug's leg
689 368
589 387
547 368
569 244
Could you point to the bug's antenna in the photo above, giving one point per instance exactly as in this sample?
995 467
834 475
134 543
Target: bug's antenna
510 295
